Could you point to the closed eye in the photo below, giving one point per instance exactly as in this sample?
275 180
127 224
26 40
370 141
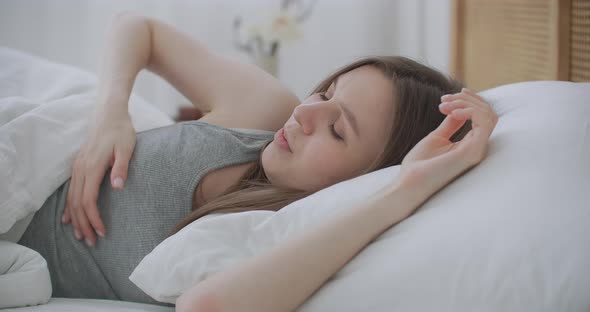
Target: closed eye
335 134
332 128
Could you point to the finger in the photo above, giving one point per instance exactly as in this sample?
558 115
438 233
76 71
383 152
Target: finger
89 201
84 227
487 107
481 124
464 92
474 144
75 225
469 100
449 107
449 126
476 114
120 167
74 202
66 219
486 112
471 92
475 99
73 208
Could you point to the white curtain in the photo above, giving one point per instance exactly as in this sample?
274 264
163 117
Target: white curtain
337 32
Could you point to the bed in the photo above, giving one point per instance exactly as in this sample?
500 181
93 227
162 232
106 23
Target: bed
495 43
91 305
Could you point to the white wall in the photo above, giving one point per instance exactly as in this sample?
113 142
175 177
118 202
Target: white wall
423 31
339 31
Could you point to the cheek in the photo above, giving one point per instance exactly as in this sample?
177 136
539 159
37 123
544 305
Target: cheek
322 160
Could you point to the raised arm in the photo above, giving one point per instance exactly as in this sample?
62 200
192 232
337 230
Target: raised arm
241 94
284 277
125 54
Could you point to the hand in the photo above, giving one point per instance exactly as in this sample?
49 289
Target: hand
435 160
110 143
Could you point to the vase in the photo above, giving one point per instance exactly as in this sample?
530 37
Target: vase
269 63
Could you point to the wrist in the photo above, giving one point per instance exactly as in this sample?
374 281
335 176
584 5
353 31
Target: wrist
411 192
113 95
111 104
396 202
421 184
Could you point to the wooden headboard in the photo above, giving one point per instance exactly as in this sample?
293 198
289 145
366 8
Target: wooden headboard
497 42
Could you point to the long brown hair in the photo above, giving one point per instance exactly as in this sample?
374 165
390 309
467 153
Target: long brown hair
417 92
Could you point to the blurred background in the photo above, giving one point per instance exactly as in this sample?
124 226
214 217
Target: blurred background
318 36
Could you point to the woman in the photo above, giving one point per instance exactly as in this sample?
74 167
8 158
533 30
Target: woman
371 114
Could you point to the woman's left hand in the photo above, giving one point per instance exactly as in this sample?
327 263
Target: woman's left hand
435 161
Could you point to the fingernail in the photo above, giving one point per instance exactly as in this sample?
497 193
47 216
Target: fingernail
118 183
63 219
446 96
443 105
89 243
100 233
77 234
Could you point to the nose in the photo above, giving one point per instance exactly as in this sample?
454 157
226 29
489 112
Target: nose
310 115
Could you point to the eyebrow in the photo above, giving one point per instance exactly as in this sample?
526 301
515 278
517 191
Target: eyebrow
348 114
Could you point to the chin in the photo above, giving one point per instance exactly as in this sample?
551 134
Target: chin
271 161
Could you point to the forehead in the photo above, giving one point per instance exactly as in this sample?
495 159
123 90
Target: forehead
368 94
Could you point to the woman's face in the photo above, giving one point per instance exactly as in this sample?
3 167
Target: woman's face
333 136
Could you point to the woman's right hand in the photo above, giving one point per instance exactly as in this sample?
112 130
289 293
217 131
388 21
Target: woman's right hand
110 143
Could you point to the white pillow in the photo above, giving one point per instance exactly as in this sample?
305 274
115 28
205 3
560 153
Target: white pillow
509 235
24 277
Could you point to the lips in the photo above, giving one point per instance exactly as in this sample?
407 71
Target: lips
284 133
281 140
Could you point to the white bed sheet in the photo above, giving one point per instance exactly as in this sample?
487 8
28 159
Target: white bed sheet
91 305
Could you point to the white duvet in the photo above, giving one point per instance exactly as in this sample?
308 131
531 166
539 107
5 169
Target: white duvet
44 111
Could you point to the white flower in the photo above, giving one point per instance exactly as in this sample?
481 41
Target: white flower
254 31
284 27
265 36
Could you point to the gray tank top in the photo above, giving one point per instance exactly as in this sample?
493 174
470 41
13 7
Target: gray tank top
166 167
